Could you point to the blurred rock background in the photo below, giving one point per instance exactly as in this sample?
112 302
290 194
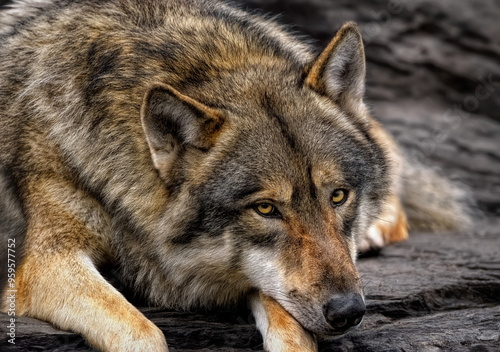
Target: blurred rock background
433 79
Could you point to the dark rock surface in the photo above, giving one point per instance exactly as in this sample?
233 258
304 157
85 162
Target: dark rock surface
434 81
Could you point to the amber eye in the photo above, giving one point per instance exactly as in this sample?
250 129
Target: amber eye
339 196
266 209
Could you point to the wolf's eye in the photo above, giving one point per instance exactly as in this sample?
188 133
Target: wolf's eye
266 209
339 196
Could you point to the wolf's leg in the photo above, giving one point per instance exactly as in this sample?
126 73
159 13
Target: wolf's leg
280 331
57 280
391 226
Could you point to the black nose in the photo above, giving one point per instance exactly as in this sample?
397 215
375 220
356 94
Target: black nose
344 311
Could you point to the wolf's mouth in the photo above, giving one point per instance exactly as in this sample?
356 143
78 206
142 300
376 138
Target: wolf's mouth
340 316
336 335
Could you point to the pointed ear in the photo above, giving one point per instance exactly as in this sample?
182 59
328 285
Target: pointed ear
339 72
172 121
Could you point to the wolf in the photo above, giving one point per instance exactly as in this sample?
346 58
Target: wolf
211 154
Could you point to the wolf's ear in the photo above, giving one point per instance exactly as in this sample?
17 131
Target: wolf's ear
172 121
339 71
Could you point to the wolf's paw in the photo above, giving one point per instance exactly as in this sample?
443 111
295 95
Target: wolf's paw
391 226
373 241
151 339
284 333
280 331
291 340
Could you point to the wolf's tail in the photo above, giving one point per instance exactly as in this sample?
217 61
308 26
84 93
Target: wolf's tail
435 203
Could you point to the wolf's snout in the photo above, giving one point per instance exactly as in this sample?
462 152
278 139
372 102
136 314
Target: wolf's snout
344 311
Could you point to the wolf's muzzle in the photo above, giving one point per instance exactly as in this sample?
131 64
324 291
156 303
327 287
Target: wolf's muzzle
344 311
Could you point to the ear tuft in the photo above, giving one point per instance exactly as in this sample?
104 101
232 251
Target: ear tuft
339 71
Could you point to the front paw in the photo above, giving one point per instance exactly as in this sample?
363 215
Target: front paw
291 339
150 339
280 331
391 226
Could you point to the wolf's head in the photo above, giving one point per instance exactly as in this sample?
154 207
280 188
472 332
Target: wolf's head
278 174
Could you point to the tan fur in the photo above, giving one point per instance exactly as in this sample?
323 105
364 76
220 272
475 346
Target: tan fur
284 333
